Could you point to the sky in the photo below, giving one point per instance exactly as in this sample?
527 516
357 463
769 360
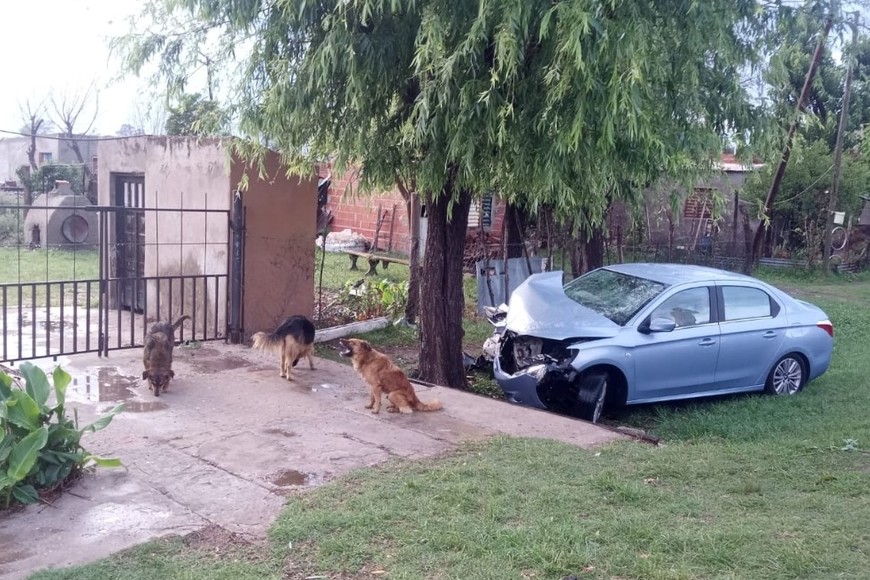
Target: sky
62 45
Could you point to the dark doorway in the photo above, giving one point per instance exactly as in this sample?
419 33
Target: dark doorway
129 194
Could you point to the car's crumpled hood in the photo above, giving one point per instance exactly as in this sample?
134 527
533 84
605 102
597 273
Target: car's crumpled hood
539 307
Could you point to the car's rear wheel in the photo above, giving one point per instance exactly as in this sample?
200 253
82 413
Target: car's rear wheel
592 395
788 376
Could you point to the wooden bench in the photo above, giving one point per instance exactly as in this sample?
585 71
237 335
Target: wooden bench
373 260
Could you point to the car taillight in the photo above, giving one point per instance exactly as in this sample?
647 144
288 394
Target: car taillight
827 326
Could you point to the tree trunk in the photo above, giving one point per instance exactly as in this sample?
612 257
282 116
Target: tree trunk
594 248
513 241
587 250
31 149
575 249
441 330
412 308
578 259
24 175
412 205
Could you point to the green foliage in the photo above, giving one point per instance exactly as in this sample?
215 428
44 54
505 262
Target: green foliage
371 298
43 179
563 102
800 209
566 103
337 272
40 446
11 220
787 69
196 116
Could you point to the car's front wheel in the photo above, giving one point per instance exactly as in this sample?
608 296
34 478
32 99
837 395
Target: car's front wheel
788 376
592 395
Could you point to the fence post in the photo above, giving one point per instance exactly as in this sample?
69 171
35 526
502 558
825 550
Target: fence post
237 227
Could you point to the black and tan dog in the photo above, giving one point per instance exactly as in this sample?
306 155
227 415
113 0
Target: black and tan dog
383 376
157 355
293 339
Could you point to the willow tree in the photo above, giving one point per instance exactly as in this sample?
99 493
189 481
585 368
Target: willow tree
568 103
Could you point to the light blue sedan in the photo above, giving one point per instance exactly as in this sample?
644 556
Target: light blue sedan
641 333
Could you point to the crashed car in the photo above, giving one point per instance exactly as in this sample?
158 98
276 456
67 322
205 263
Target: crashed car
643 333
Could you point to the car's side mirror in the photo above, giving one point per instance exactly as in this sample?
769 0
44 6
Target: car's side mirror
657 325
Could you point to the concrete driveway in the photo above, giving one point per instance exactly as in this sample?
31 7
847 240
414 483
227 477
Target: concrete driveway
228 442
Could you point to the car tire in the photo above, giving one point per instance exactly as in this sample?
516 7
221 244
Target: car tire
592 395
788 376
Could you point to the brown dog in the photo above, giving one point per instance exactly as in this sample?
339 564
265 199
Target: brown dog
157 355
383 376
293 340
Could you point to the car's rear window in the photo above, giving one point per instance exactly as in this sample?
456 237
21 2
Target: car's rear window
611 294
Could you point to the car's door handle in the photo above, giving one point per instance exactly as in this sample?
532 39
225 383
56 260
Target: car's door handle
707 342
769 334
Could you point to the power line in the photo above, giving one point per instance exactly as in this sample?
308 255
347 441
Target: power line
809 187
75 137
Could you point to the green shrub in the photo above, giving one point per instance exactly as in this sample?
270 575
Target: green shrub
11 226
374 298
40 446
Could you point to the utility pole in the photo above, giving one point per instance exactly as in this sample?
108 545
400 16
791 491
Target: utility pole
752 256
838 156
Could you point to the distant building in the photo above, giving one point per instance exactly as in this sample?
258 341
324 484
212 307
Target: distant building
50 148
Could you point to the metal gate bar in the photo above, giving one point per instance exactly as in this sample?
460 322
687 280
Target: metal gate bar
46 307
69 316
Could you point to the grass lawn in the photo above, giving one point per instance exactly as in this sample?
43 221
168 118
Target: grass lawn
40 267
400 342
24 265
745 487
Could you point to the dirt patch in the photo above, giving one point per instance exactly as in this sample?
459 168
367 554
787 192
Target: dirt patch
222 544
407 357
209 360
329 311
225 363
289 477
214 536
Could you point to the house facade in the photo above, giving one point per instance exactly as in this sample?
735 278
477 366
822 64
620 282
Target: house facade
383 216
712 211
50 148
171 231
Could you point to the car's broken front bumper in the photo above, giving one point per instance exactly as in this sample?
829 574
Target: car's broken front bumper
522 387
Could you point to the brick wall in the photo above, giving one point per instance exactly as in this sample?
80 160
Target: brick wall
359 212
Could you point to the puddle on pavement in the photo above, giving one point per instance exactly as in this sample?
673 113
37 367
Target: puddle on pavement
288 478
276 431
105 384
226 363
210 360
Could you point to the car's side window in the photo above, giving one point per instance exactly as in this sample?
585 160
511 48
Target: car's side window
687 307
741 302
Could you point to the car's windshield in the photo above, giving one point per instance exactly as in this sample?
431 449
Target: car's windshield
611 294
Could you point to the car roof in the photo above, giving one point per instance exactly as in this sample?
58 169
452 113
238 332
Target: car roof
672 274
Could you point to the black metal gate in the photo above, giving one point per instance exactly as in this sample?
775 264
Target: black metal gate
149 264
